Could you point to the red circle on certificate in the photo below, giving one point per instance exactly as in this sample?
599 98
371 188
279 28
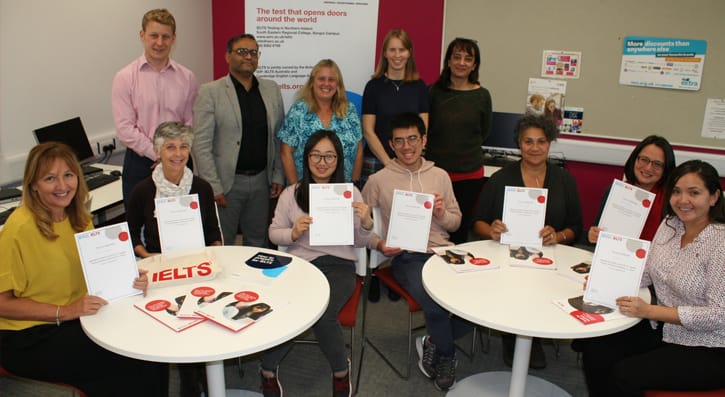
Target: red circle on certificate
480 261
541 199
347 194
202 291
194 205
123 236
428 205
646 203
157 305
246 296
543 261
641 253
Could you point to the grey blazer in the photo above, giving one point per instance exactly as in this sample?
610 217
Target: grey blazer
218 132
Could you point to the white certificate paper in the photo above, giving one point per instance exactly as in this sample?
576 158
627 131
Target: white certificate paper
108 261
616 270
626 209
332 214
410 219
524 211
179 220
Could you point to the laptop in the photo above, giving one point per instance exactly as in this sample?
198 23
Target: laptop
72 133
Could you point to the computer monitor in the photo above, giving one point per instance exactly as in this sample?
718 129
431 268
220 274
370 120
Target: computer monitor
72 133
501 137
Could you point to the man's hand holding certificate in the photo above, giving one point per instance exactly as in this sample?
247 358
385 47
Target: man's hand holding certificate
332 214
179 220
108 262
626 209
524 211
617 268
410 218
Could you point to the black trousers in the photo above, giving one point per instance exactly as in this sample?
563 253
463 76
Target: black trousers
65 354
466 192
634 360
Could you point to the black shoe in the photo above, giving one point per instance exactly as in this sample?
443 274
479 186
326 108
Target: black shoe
538 358
374 289
508 341
393 296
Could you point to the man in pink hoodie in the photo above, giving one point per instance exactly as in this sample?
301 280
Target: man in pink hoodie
411 172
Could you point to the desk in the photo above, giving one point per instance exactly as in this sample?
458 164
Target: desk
123 329
516 300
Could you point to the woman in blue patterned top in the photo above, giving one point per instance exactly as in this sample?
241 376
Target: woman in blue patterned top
322 105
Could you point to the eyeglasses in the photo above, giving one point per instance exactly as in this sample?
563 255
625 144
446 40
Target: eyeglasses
411 139
244 51
317 157
645 161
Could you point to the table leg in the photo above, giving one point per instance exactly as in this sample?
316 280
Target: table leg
215 379
520 368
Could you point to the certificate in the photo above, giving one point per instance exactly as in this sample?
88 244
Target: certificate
616 270
179 220
410 218
626 209
109 265
332 214
524 211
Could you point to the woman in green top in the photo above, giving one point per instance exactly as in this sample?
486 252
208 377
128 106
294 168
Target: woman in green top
460 121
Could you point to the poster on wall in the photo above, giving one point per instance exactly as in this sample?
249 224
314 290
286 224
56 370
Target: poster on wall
293 36
546 97
713 125
561 64
662 62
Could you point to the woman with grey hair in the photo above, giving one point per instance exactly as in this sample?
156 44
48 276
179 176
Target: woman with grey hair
170 177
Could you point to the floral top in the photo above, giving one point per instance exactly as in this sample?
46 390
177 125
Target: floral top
300 123
690 279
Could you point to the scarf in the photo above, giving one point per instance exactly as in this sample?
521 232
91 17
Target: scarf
164 188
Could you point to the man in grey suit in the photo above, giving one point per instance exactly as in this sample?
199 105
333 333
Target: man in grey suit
235 149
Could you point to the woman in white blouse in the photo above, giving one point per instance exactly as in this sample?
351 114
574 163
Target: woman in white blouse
682 347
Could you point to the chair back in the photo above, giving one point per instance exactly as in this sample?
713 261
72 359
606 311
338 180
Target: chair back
377 257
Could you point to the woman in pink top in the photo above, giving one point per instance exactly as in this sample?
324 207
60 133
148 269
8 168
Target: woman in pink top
322 163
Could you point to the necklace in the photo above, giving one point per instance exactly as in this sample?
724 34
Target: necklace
397 86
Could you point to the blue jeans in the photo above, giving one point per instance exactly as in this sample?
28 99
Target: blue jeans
442 327
340 274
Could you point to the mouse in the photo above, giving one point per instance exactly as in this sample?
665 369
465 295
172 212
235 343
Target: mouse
116 173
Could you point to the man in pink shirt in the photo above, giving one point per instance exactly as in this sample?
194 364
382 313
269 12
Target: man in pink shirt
148 91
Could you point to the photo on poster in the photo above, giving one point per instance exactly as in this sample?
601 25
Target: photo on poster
546 97
561 64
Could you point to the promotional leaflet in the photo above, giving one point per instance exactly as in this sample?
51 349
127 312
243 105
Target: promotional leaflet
533 257
163 305
587 312
238 310
461 260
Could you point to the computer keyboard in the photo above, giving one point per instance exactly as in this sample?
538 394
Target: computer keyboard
97 180
5 214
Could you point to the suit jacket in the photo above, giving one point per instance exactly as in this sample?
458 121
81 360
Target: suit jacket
218 132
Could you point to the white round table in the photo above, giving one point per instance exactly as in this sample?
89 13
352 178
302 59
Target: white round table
123 329
515 300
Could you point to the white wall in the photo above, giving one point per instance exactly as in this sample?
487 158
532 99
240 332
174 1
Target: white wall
57 60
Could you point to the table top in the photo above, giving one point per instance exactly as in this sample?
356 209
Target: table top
516 299
126 330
